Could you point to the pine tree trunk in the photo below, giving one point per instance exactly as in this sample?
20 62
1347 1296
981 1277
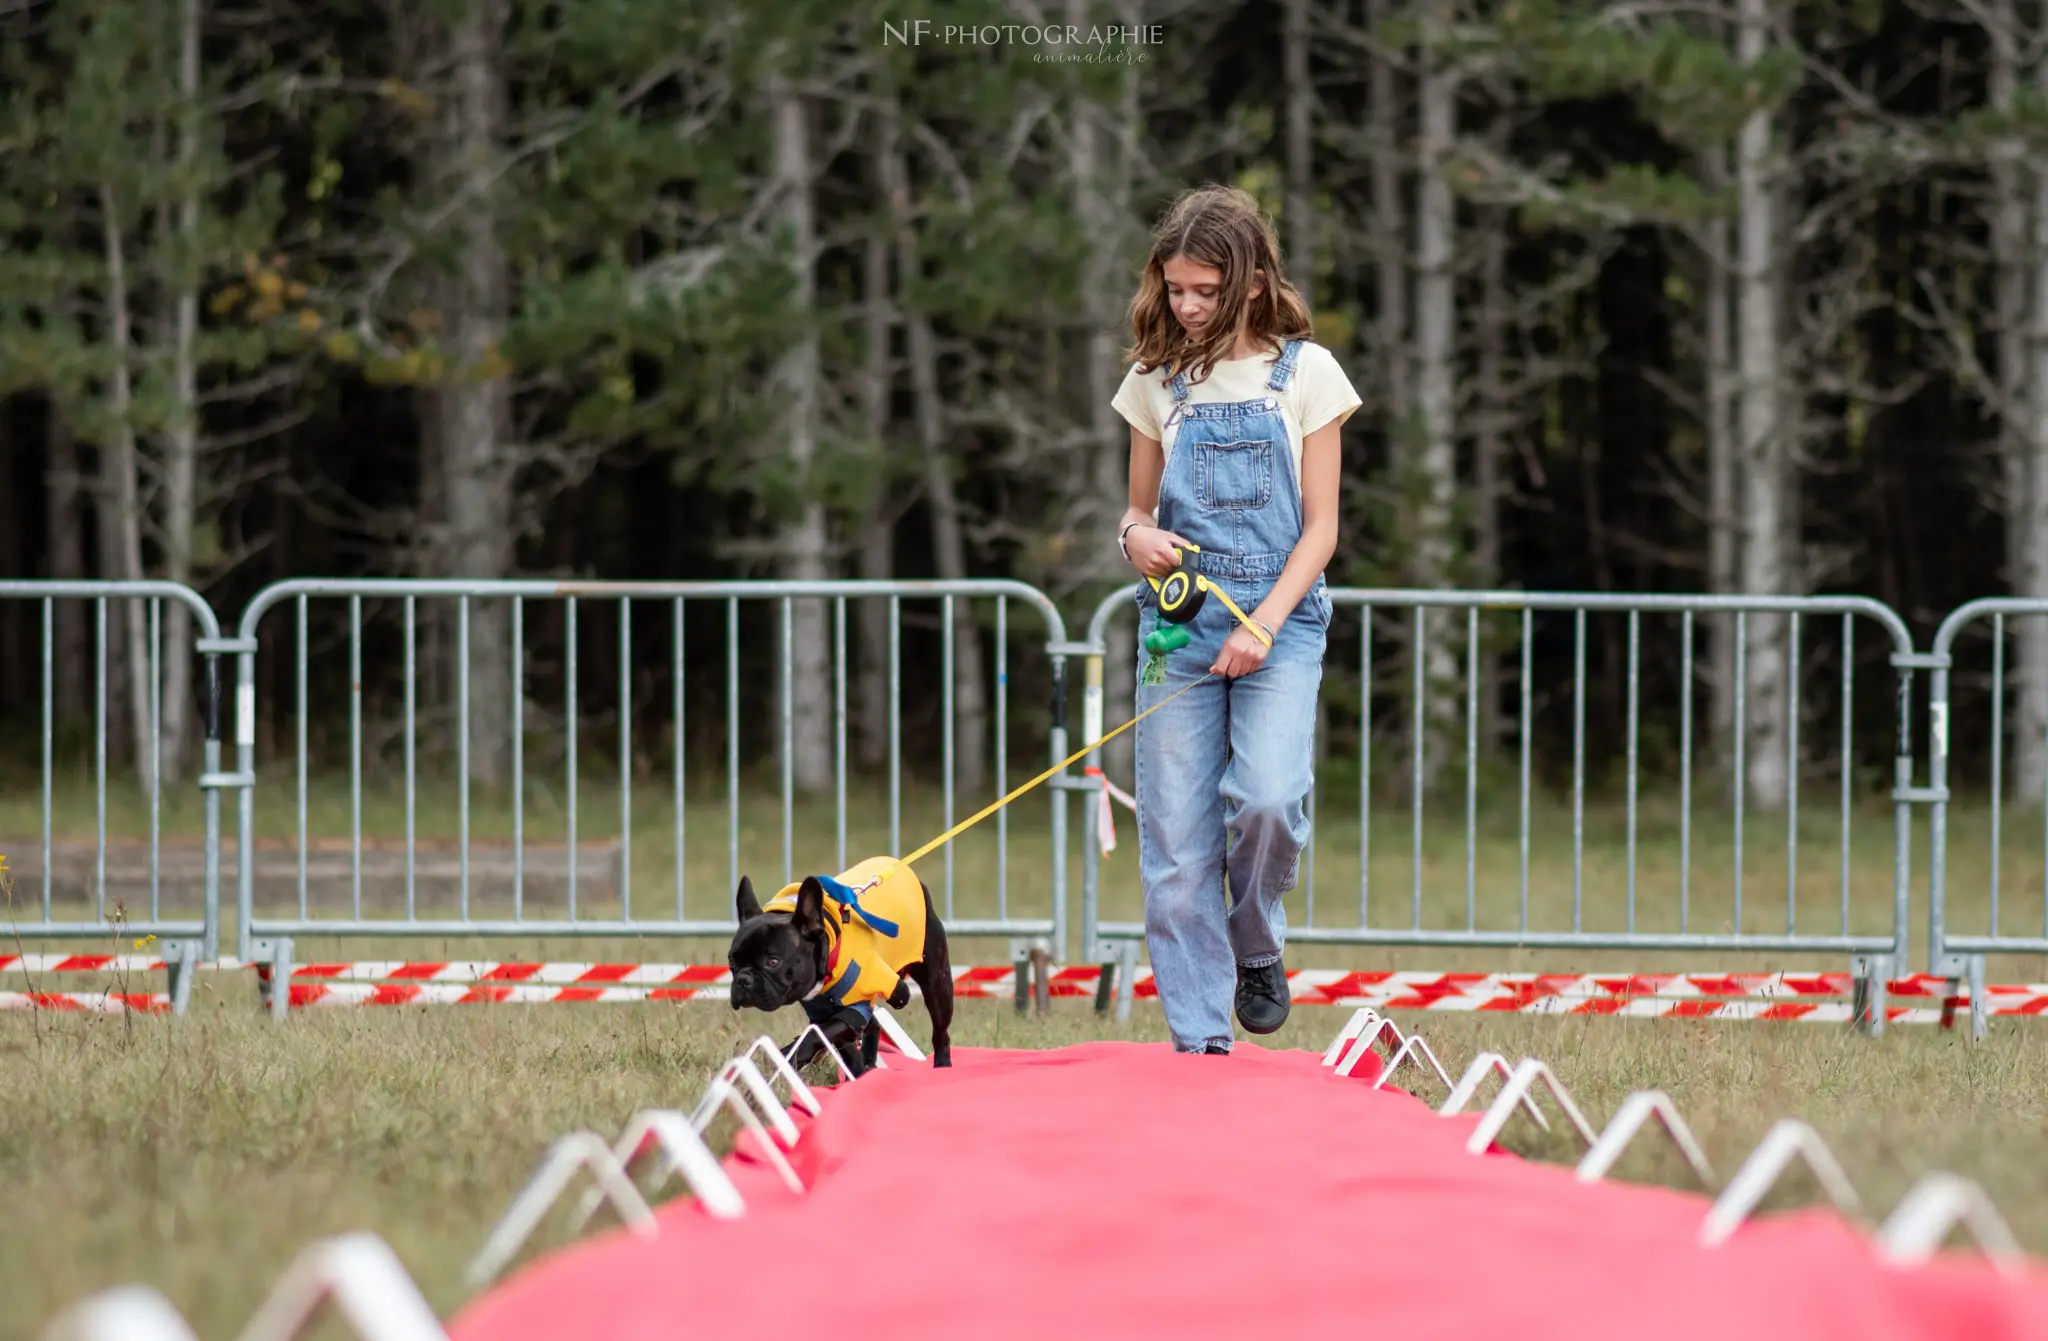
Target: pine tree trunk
878 530
1487 455
949 544
1390 226
110 659
2027 516
1392 357
70 667
1120 662
1436 328
473 401
803 543
1105 474
119 459
1767 562
1301 99
1724 548
970 690
181 444
2022 268
1100 213
425 551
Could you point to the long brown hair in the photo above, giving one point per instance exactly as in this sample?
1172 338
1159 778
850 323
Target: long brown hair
1221 227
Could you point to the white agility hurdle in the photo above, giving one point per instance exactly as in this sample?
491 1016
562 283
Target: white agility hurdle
1932 1209
354 1276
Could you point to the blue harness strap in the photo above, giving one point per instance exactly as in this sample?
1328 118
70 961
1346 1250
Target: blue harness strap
847 897
836 993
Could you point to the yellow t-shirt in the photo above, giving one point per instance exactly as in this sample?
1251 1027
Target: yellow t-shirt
1318 394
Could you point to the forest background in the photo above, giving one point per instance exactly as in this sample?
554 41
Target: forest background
1642 297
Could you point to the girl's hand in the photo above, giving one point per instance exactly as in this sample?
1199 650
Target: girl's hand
1152 550
1242 653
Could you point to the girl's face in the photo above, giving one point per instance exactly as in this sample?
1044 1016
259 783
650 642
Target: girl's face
1192 291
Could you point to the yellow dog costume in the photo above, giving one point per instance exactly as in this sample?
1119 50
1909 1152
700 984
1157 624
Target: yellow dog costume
874 918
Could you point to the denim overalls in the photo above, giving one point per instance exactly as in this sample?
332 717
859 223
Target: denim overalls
1231 753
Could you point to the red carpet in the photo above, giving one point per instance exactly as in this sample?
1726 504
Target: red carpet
1118 1190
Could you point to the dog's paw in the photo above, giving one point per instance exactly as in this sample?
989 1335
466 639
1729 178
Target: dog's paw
900 998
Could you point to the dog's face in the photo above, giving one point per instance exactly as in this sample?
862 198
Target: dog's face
777 958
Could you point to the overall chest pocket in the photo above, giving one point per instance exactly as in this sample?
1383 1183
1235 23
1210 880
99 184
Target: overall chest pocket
1235 475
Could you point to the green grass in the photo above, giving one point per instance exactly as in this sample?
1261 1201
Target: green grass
1583 880
198 1155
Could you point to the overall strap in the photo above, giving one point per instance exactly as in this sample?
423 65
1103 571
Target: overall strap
1283 369
1179 386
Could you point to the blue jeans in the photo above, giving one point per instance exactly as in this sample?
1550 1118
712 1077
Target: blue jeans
1231 759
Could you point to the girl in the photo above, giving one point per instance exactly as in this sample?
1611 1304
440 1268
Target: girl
1235 417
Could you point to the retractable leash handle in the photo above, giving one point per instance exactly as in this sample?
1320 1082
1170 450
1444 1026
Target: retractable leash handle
1181 596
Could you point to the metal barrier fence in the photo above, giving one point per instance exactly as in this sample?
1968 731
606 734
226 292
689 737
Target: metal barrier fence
1492 630
183 939
494 663
1480 732
1955 955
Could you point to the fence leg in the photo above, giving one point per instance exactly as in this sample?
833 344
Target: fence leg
1032 974
1980 1014
1126 980
179 959
1870 976
1105 987
274 975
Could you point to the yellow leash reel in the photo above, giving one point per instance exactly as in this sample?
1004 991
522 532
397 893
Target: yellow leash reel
1182 594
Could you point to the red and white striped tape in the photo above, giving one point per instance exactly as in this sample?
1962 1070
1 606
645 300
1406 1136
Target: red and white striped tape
1682 994
104 1003
402 994
452 994
1774 996
81 964
1105 813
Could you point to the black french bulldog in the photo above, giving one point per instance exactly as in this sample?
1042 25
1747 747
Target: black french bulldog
787 957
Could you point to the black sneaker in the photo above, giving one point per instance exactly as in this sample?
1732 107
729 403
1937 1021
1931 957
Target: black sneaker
1216 1050
1262 997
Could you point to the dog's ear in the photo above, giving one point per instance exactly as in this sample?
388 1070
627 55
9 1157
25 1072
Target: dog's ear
810 906
748 906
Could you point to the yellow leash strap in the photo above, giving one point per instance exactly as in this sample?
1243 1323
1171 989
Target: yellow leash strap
1257 631
1071 759
1252 626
